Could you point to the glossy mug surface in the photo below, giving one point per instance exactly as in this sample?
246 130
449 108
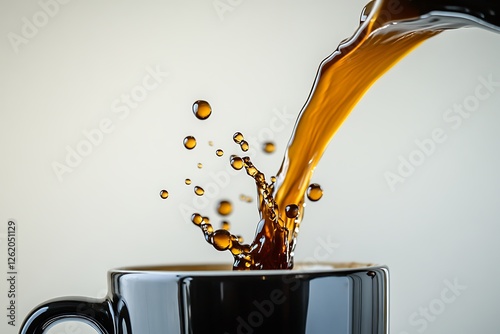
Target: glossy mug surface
327 298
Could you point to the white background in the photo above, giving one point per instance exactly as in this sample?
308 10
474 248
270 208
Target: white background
250 62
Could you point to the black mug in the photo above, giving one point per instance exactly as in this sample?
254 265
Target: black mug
212 299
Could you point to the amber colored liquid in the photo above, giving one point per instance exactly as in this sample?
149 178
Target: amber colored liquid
389 30
342 80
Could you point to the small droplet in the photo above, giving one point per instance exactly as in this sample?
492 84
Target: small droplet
269 147
240 239
219 153
236 162
199 191
371 273
225 208
196 218
199 165
238 137
314 192
164 194
202 109
187 181
210 143
273 179
221 240
246 198
189 142
209 228
225 225
244 145
292 211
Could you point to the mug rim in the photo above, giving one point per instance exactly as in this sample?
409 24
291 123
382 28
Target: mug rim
218 269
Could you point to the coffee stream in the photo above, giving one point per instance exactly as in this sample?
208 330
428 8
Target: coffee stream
389 29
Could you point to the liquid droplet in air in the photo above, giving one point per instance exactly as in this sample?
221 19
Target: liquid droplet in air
238 137
225 225
236 162
314 192
189 142
292 211
197 219
202 109
244 145
224 208
199 191
219 153
246 198
269 147
164 194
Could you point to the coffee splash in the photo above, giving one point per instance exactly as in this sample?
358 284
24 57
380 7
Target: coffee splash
389 29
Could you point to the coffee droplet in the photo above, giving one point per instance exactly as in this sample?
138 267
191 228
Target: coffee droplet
269 147
164 194
240 239
343 79
219 153
292 211
238 137
225 225
244 145
314 192
199 165
224 208
187 181
199 191
246 198
196 218
236 162
207 229
221 239
210 143
189 142
273 179
202 109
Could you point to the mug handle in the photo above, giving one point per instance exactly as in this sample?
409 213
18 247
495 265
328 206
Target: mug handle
97 313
